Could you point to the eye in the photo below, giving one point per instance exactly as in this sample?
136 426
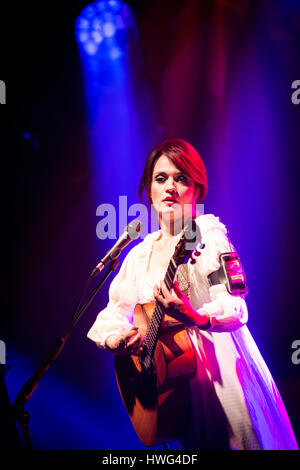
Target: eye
182 179
160 178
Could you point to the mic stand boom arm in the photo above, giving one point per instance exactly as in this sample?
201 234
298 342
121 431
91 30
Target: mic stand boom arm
18 410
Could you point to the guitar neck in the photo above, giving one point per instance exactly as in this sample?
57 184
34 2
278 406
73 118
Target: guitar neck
155 322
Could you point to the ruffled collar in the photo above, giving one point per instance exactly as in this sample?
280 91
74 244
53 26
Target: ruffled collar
145 288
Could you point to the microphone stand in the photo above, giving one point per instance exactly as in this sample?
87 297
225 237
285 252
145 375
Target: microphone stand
18 411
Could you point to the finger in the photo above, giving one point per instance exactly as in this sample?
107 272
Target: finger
134 328
157 294
156 290
128 334
135 347
177 290
170 297
134 341
164 290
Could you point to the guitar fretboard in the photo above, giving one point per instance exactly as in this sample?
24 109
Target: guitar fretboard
155 322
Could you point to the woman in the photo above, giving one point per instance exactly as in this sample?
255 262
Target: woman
235 402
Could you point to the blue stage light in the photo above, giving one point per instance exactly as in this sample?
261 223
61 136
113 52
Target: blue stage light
102 28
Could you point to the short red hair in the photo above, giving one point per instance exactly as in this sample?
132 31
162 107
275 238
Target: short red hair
185 157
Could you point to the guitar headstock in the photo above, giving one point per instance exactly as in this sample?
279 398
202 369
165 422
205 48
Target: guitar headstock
189 238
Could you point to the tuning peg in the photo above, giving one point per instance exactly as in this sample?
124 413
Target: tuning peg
192 259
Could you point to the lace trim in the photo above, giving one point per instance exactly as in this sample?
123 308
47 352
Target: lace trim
206 222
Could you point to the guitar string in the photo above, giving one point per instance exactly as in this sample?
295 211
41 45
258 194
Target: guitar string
153 337
157 316
154 326
155 322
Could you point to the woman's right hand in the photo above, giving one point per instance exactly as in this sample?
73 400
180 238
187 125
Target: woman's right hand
129 342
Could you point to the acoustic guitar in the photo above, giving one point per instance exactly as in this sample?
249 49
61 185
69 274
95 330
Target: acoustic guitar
154 386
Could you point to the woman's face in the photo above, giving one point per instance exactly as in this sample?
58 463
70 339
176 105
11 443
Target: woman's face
172 191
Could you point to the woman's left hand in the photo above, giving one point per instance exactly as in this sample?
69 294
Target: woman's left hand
177 305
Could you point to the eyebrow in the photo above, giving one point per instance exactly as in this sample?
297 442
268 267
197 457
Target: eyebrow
164 172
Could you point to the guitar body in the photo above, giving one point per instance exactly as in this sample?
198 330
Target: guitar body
157 398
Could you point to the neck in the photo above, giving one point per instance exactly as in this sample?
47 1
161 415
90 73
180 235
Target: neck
171 228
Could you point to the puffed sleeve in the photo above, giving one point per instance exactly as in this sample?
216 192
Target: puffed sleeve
118 314
227 312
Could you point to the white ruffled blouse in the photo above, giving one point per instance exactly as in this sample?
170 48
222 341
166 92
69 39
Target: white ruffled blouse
235 401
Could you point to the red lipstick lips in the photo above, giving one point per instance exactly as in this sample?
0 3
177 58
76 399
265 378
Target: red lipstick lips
170 199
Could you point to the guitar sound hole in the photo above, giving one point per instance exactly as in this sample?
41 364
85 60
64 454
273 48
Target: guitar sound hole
146 363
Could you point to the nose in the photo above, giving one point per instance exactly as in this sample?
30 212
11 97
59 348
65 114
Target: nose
171 187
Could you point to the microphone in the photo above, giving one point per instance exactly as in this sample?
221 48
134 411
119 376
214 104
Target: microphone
131 232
